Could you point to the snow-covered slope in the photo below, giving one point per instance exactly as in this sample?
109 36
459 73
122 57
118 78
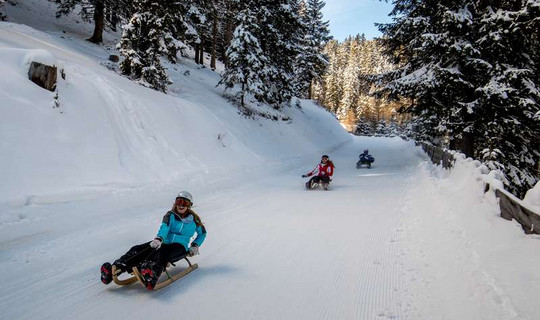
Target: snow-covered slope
144 136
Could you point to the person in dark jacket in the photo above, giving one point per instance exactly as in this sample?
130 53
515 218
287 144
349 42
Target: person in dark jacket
173 240
365 159
322 173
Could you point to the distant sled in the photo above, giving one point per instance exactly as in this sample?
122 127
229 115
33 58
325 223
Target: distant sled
365 159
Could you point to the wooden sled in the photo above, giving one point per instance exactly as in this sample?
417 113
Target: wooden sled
122 282
316 185
136 275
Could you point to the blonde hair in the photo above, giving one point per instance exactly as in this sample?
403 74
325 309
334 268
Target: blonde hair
196 217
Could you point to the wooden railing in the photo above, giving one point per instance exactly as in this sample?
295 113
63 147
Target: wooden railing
438 155
510 207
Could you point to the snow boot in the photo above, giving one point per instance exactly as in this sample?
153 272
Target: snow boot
106 273
325 186
308 185
150 273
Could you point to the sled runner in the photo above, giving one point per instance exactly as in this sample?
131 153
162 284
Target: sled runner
136 275
360 163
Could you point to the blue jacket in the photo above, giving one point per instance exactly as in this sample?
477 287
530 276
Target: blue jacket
174 229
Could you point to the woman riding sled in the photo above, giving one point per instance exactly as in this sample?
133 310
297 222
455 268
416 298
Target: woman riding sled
322 173
172 241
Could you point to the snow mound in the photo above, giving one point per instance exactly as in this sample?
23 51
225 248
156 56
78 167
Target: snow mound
532 198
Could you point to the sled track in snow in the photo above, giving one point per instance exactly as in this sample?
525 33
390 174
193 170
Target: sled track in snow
273 251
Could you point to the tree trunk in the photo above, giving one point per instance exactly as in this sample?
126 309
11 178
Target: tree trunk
215 38
467 141
467 144
201 52
453 145
228 35
310 90
242 96
197 49
99 22
112 16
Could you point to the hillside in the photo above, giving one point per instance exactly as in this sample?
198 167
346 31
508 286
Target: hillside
144 136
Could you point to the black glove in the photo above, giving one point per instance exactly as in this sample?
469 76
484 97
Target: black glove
304 176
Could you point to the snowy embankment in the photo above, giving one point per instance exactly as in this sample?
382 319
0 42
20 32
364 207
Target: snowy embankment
462 260
108 131
85 181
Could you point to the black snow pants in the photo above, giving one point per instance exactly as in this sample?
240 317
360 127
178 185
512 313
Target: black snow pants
317 179
144 253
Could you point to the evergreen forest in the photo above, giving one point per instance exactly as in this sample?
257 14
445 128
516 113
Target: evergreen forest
461 75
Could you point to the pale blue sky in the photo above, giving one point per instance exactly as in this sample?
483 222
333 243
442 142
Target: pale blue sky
349 17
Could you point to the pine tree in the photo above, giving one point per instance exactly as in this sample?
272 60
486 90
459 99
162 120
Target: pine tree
200 14
229 11
332 79
221 19
381 128
311 62
510 91
2 15
351 81
245 58
431 41
347 86
364 66
144 40
364 127
217 8
278 35
371 65
279 38
191 25
470 71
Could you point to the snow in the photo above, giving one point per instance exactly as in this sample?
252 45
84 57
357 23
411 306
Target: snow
84 181
532 198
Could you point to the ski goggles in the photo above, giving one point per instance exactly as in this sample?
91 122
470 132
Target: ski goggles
181 202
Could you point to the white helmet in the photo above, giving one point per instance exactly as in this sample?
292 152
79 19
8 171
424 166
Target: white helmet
185 195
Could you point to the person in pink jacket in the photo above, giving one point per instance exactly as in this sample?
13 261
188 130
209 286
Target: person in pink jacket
322 173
